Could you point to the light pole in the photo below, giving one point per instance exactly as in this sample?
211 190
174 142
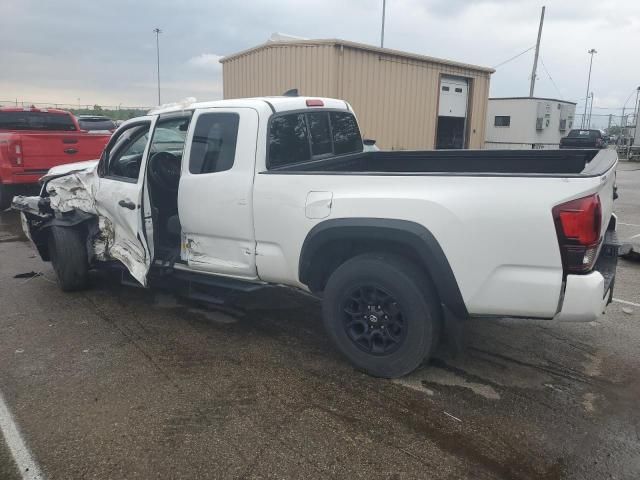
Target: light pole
384 8
586 97
590 110
157 31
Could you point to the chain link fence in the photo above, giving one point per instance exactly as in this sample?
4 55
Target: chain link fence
115 112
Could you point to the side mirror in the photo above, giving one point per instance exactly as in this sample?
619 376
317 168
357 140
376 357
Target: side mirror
369 142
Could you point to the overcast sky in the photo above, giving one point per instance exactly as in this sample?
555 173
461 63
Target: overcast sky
104 51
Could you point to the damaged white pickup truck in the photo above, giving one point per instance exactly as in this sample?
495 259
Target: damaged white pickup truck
400 246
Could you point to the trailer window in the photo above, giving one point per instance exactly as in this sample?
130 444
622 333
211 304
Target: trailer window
288 140
502 121
214 143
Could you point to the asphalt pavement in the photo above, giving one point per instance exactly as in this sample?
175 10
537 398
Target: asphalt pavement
118 382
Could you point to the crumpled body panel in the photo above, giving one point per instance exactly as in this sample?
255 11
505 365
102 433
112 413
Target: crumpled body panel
76 191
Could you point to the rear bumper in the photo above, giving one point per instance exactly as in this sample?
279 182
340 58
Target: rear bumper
586 296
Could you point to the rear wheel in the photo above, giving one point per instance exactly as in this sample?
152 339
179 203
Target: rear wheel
382 313
68 254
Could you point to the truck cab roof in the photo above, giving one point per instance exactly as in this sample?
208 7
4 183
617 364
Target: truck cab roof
275 104
35 109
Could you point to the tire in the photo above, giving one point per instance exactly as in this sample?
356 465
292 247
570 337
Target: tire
395 336
68 253
5 197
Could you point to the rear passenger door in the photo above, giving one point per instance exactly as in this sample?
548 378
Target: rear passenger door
215 196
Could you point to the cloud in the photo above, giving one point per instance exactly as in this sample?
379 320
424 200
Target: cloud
206 61
104 52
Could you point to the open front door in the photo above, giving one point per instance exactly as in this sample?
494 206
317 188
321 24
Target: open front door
119 198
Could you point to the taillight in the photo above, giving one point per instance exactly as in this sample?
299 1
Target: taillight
15 153
578 225
312 102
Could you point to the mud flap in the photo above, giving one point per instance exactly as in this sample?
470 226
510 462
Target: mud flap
454 332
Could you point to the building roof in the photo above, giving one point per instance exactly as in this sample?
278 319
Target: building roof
357 46
533 98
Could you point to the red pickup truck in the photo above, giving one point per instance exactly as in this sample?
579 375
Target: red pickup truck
33 140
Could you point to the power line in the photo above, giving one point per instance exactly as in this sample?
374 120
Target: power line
514 57
602 108
551 78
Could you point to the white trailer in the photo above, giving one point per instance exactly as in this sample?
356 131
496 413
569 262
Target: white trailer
528 122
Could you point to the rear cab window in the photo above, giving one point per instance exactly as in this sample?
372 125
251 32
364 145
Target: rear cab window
31 120
299 137
91 124
584 134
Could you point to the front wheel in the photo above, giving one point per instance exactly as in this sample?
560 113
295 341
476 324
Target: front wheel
68 254
382 313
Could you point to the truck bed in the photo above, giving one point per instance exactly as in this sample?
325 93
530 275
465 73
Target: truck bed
564 163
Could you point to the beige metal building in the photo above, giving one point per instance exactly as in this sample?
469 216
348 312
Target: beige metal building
402 100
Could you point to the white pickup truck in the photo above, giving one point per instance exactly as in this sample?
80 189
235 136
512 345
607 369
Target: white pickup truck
400 246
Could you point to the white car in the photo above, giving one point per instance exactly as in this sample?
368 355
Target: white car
401 246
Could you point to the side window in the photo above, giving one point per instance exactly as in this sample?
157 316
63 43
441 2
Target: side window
346 134
125 156
502 121
214 143
288 140
320 133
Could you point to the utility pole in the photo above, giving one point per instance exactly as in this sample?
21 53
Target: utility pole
624 108
609 126
158 32
636 111
586 98
384 8
590 110
535 58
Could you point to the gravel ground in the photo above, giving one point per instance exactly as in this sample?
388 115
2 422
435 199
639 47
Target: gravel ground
119 382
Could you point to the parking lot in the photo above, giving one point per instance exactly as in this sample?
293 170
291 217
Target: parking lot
121 382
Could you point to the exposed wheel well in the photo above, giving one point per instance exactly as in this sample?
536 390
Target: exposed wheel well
331 243
81 222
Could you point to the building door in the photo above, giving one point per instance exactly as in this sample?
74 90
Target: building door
452 113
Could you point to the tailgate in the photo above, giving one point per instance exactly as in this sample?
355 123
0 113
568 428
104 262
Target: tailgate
43 150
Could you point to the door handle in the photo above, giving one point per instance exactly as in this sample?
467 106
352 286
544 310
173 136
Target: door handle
69 140
71 151
127 204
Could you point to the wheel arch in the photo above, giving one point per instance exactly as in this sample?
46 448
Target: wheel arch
331 242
